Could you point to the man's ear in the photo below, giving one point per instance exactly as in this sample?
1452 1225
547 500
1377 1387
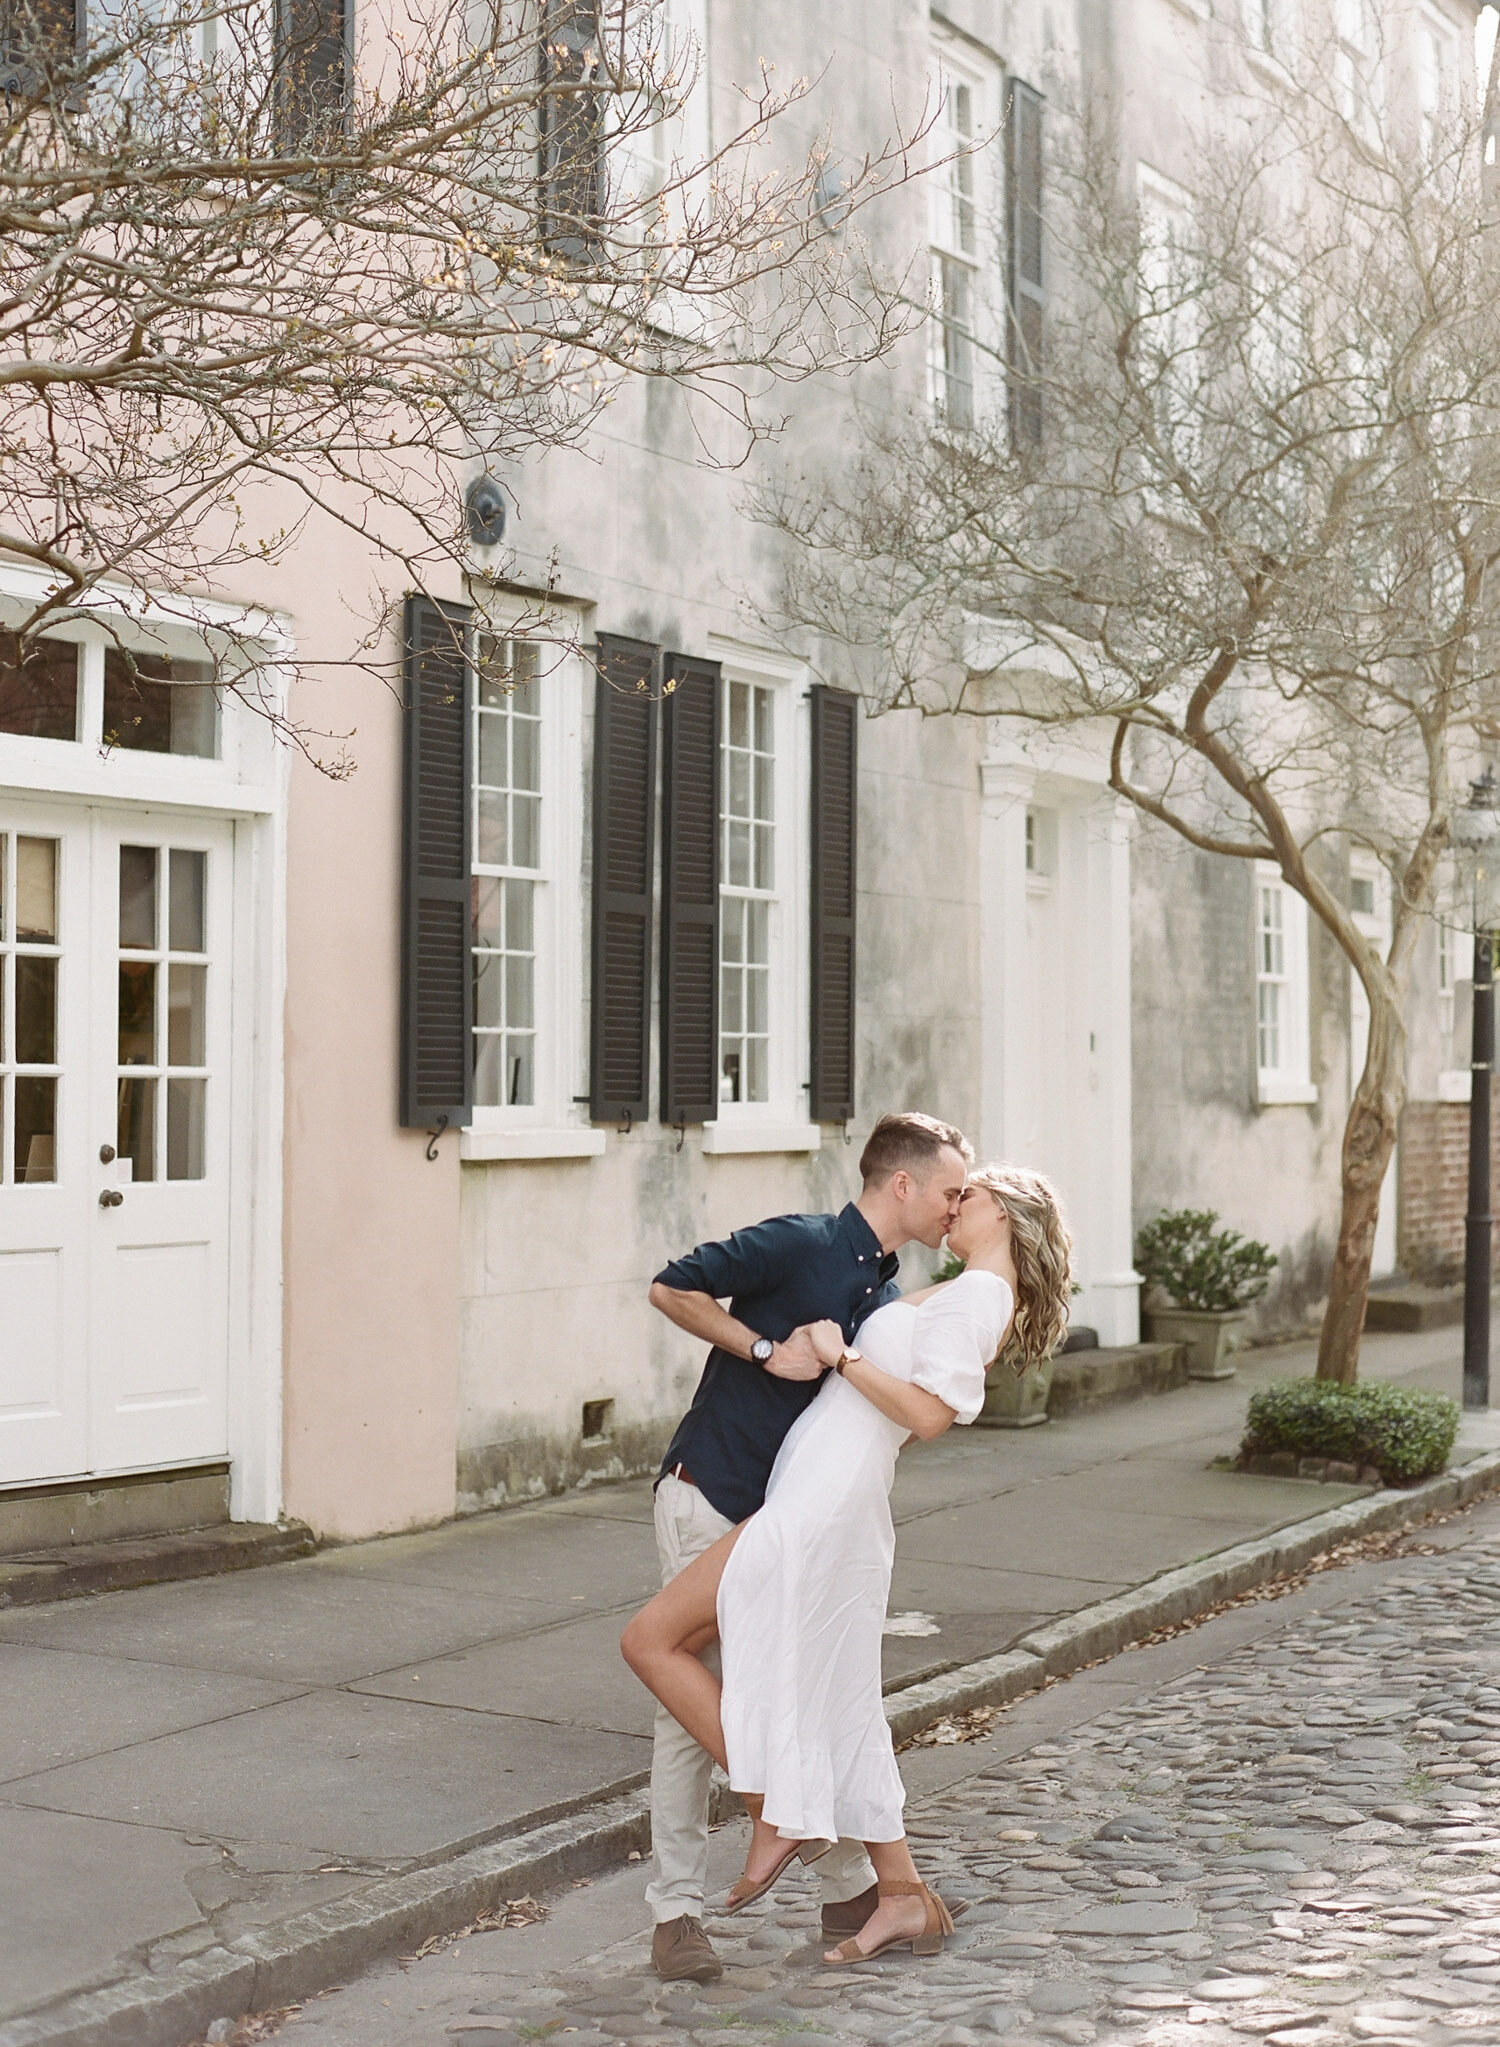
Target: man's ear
900 1185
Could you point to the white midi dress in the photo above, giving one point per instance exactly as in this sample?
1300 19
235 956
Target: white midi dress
803 1598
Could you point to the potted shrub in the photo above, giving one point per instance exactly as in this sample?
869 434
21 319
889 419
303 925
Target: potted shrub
1209 1277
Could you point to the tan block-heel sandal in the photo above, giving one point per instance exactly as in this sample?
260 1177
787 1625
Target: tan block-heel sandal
742 1894
928 1942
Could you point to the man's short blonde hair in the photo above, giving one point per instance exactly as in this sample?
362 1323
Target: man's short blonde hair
909 1143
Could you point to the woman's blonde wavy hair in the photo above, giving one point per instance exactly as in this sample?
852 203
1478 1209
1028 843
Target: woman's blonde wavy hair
1042 1245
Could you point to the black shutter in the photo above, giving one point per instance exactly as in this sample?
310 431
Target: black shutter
1026 297
571 125
690 890
835 761
437 1003
312 70
624 845
40 43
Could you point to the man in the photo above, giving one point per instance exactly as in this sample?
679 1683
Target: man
761 1374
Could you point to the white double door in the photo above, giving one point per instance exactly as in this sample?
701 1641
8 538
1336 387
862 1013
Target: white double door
116 1056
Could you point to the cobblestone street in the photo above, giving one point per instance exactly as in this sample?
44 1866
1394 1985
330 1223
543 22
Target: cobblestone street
1292 1835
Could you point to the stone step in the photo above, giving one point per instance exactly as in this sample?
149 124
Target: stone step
1083 1379
1411 1308
63 1512
75 1569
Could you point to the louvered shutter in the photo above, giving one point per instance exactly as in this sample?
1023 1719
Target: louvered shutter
625 710
1024 259
835 749
690 890
312 69
572 128
436 944
38 40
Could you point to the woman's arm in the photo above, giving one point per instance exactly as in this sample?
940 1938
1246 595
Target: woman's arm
914 1408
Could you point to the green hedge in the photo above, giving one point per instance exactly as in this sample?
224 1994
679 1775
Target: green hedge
1405 1433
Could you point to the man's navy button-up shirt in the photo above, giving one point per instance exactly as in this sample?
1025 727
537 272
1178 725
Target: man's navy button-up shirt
776 1276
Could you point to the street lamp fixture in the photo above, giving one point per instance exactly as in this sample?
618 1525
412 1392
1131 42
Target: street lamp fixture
1476 848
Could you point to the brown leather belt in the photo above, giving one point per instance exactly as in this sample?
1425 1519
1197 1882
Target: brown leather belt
681 1471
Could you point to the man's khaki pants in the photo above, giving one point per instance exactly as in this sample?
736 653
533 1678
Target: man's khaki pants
686 1525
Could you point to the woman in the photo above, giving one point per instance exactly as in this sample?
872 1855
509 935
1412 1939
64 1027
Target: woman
797 1594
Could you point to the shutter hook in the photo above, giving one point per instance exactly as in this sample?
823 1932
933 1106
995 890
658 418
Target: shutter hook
844 1126
629 1124
682 1134
434 1135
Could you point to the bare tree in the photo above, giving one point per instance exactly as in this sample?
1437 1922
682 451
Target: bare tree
1257 535
251 263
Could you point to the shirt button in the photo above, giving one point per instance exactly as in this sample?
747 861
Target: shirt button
869 1290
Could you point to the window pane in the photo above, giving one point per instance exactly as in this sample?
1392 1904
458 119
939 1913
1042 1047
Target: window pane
137 898
729 1085
488 983
185 1107
135 1126
519 1090
489 1053
739 714
755 1082
733 1016
526 821
755 988
758 932
492 759
739 785
765 787
519 1014
36 891
157 704
519 918
185 890
765 861
137 1013
734 929
36 1129
494 672
187 995
526 754
4 1012
4 892
494 840
39 693
763 701
486 898
36 1011
739 856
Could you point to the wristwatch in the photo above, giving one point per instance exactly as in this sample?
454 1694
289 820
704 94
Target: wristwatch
761 1350
847 1356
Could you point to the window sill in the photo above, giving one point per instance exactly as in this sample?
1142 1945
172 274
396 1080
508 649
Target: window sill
1272 1092
481 1145
722 1138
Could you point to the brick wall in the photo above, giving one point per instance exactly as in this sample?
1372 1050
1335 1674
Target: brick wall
1433 1188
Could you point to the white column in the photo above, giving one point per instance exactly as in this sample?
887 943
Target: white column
1004 792
1111 1302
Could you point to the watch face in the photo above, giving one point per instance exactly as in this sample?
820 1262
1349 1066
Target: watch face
761 1350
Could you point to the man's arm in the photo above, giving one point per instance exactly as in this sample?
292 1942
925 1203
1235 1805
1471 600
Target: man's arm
702 1316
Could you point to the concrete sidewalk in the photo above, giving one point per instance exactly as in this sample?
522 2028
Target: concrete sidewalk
184 1764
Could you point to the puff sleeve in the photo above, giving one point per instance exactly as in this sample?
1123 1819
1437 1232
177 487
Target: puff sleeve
957 1335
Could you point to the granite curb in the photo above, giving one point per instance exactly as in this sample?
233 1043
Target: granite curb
279 1964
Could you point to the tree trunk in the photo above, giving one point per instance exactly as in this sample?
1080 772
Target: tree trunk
1369 1140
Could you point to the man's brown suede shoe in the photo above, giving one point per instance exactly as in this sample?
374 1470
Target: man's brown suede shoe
681 1953
842 1922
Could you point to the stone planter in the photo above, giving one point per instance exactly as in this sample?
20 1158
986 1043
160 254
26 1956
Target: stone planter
1210 1334
1012 1403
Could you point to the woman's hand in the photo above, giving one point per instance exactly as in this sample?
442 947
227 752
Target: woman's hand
827 1340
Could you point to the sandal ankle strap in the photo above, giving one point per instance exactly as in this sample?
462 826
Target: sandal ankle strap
901 1888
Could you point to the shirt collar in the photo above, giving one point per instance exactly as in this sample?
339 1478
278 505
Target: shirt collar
863 1240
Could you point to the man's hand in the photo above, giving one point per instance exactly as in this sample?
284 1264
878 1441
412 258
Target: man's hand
796 1358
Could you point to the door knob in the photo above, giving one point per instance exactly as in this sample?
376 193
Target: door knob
106 1154
111 1198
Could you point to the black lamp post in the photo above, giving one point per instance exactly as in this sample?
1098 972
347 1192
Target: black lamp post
1476 845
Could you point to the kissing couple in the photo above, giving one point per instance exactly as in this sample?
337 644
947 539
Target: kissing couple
773 1523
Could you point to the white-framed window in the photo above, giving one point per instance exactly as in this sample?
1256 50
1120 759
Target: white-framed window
111 695
965 210
1437 82
1282 1038
1356 65
763 933
527 947
668 116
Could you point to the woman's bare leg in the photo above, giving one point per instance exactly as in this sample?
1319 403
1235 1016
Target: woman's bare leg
893 1917
662 1642
661 1645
